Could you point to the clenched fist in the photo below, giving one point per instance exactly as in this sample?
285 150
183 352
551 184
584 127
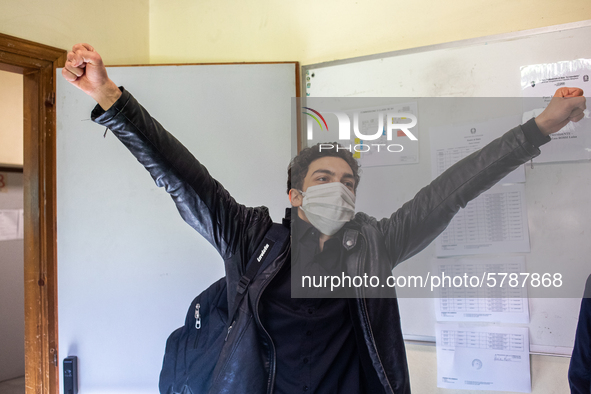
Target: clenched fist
85 69
568 104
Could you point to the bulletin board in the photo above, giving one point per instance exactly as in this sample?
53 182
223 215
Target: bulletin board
557 204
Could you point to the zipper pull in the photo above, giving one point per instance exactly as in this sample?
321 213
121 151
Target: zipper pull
197 316
229 329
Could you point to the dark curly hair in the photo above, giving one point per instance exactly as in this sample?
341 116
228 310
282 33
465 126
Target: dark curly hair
298 168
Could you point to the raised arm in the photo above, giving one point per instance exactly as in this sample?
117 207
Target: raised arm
419 221
201 200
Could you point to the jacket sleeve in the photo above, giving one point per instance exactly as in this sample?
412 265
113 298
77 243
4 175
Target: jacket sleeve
202 201
419 221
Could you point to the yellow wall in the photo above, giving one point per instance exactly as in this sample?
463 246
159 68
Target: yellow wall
312 31
119 30
11 118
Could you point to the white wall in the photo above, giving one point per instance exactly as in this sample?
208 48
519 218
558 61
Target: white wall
12 289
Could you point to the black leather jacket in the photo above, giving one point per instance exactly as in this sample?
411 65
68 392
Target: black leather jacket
247 362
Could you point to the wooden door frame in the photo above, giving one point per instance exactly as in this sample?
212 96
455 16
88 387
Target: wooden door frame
37 63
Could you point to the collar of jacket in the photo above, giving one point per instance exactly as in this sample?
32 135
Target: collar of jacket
349 233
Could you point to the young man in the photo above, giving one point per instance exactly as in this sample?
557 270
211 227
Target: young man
290 345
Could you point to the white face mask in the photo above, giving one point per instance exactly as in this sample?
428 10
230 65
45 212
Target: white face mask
328 206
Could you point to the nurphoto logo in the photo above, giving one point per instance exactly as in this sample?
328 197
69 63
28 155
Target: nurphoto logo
387 125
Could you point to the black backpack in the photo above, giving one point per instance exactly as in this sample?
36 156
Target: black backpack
192 351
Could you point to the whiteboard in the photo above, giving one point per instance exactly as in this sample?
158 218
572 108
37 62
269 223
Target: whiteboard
482 67
128 266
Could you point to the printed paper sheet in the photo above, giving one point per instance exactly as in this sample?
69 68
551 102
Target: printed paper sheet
573 142
498 293
483 358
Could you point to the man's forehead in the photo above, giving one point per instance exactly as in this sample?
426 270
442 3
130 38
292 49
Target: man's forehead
330 164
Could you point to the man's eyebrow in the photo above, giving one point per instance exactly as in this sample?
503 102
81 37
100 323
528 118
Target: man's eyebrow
347 175
323 171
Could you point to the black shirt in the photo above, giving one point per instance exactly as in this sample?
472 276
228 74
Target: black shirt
314 341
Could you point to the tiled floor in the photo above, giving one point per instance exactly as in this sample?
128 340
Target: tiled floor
13 386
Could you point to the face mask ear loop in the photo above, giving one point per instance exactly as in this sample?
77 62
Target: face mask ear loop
303 195
297 190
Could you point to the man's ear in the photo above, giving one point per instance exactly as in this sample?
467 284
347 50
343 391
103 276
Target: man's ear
295 198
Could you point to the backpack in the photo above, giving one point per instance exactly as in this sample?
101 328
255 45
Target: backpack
192 351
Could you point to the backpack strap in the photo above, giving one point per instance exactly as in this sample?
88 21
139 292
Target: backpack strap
268 250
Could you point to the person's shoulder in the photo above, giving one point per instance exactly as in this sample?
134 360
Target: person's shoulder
257 215
363 219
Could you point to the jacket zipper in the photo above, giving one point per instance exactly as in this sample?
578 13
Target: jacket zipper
229 329
272 362
197 324
197 316
364 310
